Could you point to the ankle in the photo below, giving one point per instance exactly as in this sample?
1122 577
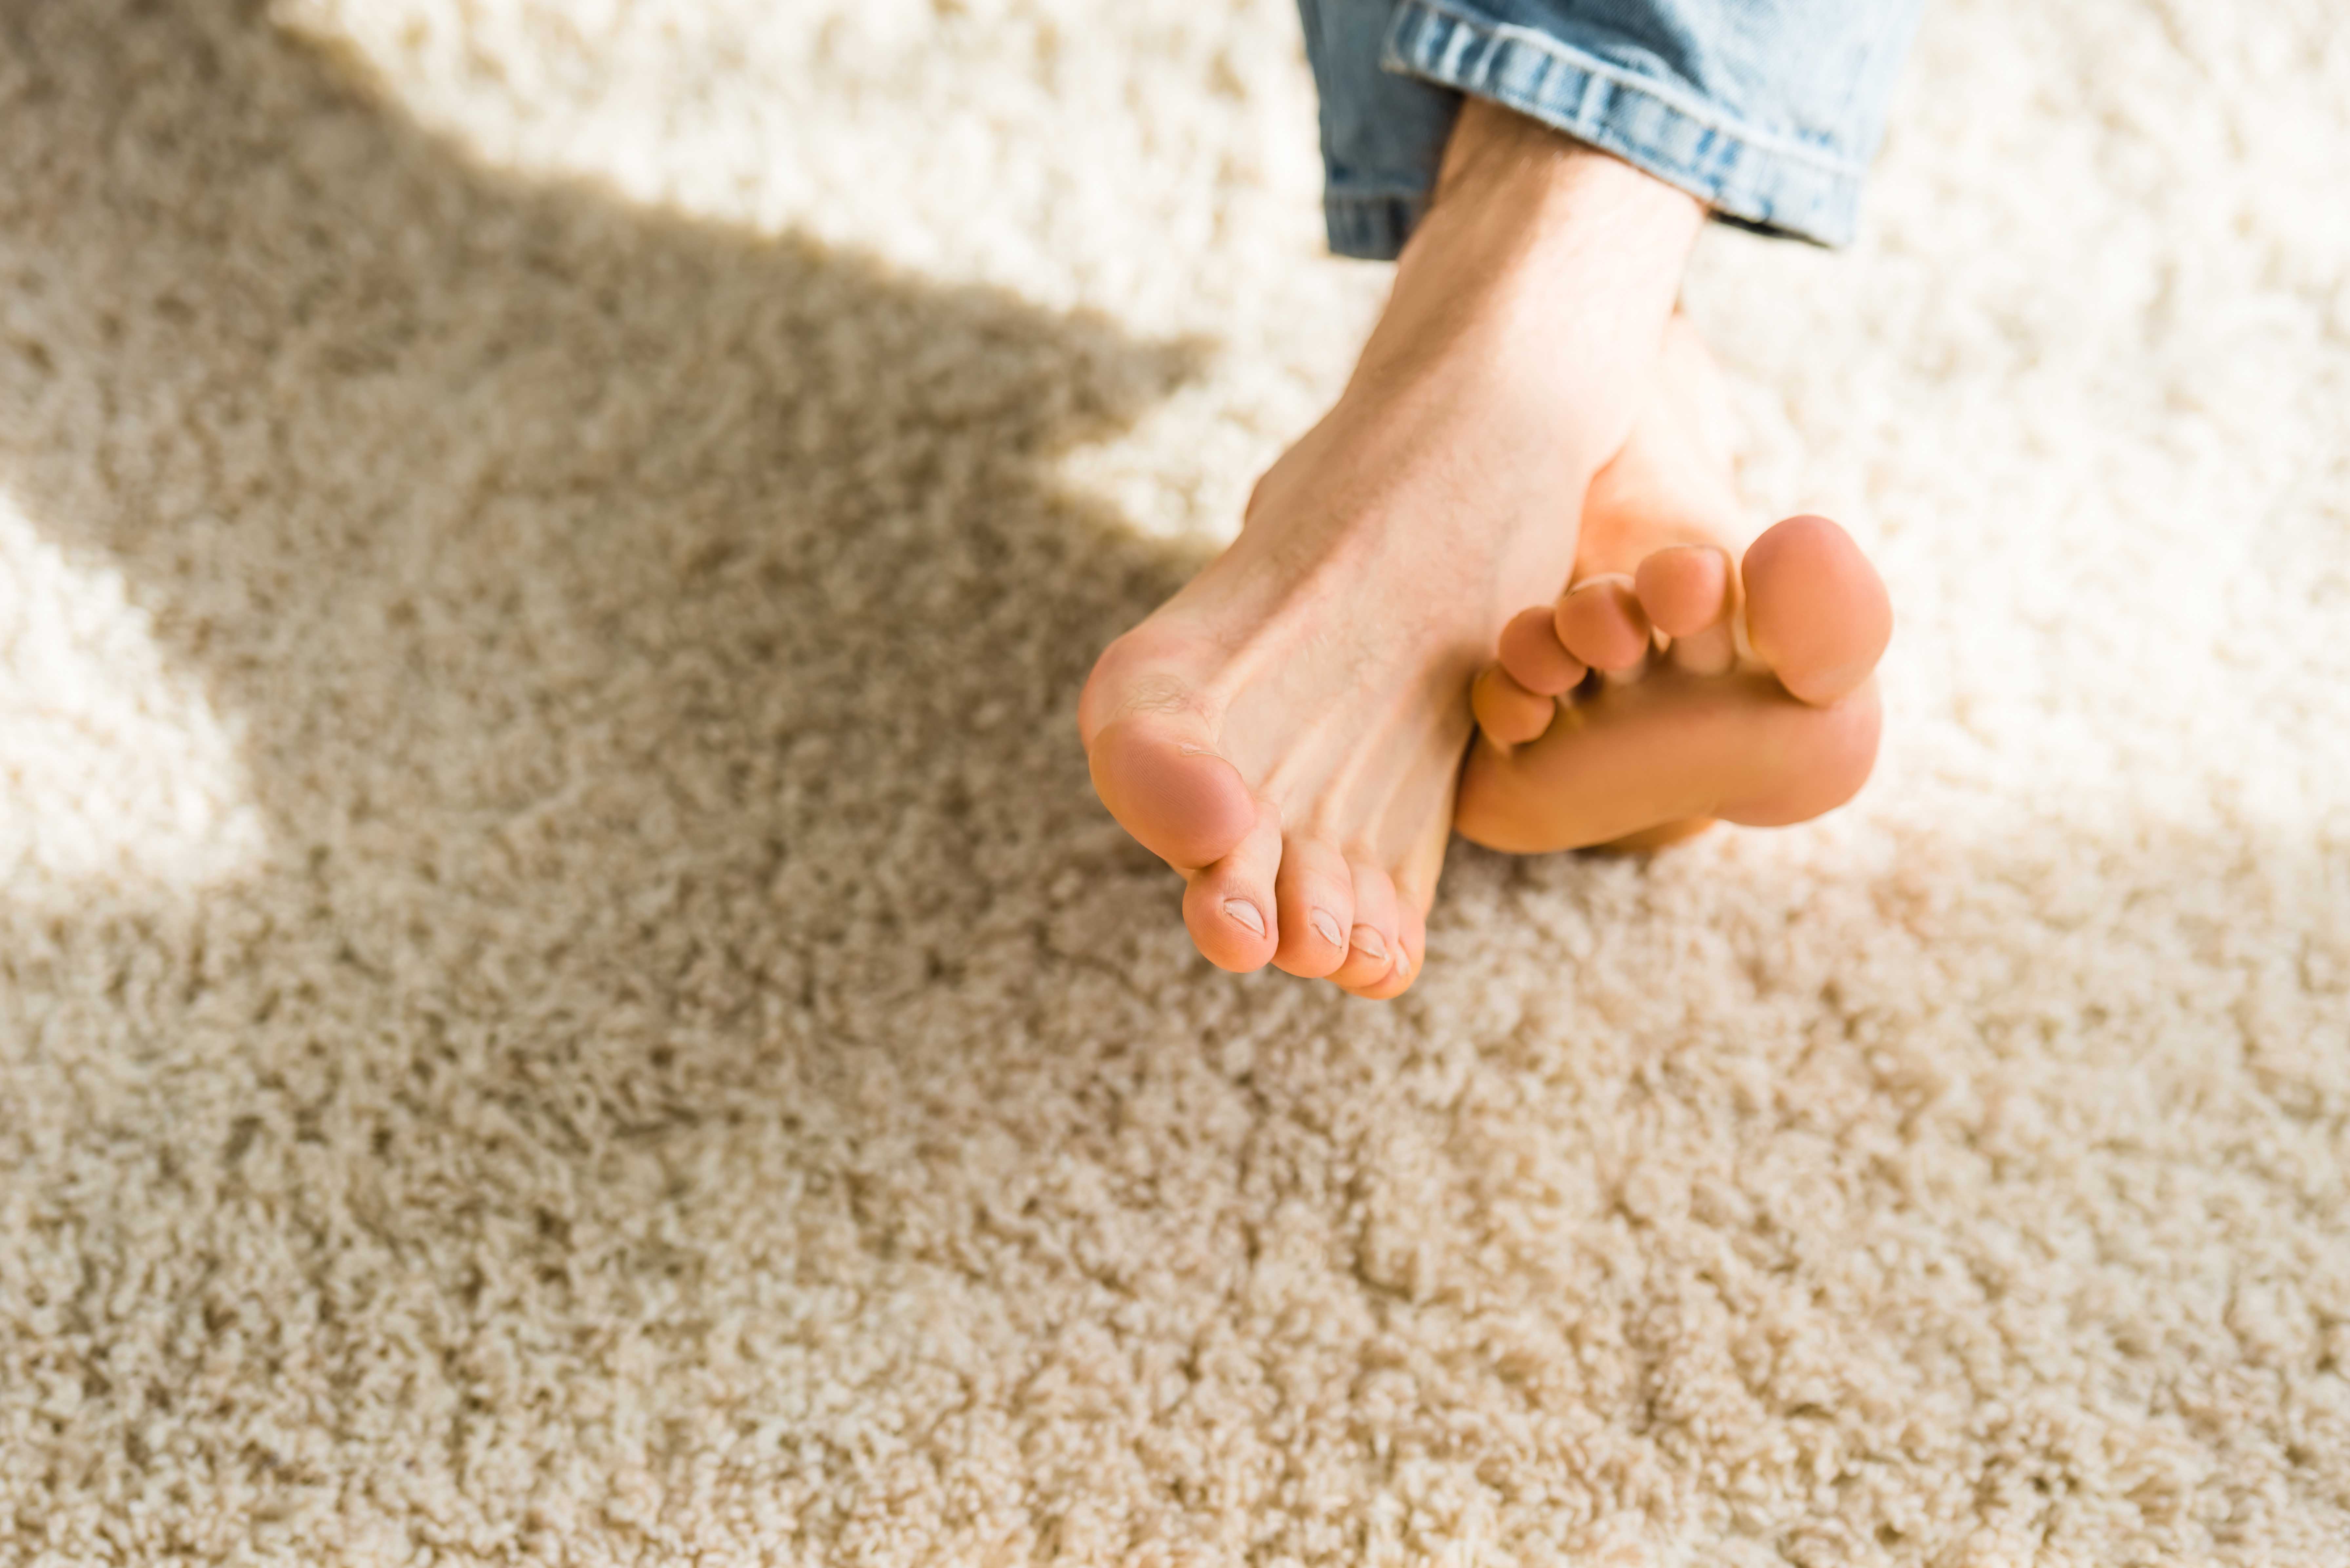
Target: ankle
1543 261
1498 162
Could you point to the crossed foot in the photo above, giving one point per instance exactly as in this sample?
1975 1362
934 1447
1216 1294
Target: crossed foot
1670 687
1288 731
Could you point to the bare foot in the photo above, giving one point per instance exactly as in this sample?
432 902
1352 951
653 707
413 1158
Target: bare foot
1666 689
1286 732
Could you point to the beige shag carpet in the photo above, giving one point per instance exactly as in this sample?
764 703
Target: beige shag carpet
564 998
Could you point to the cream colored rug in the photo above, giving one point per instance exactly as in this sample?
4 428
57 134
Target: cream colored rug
564 998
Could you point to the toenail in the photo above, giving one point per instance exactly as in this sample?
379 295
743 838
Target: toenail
1368 940
1243 911
1327 925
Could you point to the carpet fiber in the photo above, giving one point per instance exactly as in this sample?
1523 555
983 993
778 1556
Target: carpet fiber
564 997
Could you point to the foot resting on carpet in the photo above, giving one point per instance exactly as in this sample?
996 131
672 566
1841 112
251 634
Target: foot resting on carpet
1667 688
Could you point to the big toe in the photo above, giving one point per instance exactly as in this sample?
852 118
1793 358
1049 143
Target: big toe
1816 611
1168 788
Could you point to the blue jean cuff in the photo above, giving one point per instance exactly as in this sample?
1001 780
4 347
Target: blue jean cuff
1746 175
1372 225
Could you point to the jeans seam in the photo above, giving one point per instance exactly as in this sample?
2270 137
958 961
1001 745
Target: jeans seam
1663 95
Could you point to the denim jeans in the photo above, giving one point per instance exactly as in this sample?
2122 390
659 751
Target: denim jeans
1767 110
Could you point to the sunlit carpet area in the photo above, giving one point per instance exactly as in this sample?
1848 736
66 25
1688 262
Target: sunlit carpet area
565 998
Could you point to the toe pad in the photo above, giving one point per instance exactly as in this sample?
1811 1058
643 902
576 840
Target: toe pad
1602 624
1816 611
1182 802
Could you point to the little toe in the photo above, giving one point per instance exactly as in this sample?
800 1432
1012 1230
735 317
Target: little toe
1372 941
1509 713
1230 908
1164 782
1600 622
1313 894
1532 653
1816 611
